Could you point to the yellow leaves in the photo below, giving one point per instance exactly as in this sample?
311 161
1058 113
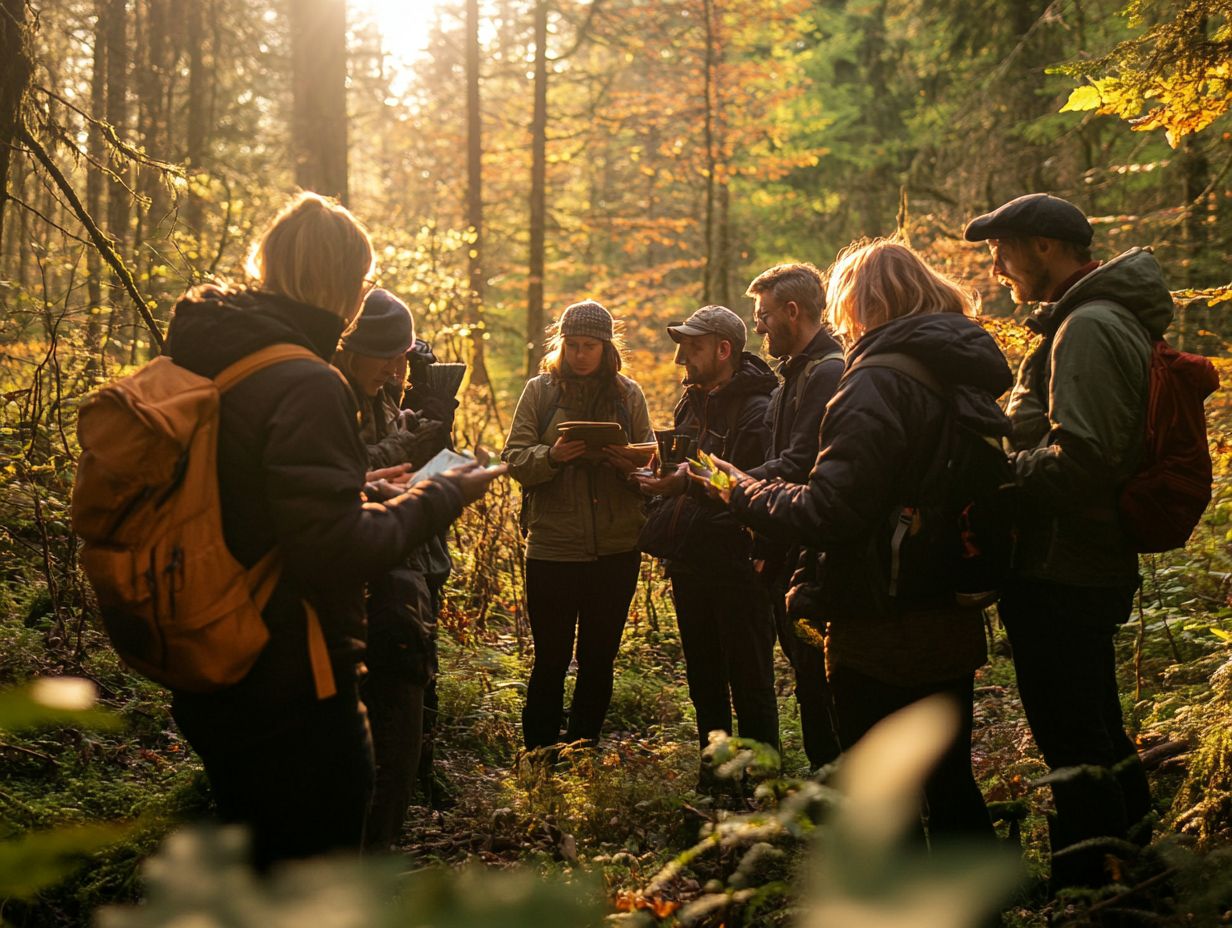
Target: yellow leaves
1211 295
1082 99
1182 102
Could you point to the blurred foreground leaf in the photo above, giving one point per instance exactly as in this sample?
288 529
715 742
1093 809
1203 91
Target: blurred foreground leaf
54 701
41 859
201 877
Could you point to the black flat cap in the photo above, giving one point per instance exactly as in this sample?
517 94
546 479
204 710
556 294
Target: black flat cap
1036 214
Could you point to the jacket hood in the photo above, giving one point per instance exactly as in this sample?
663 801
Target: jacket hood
1133 280
753 376
210 332
959 353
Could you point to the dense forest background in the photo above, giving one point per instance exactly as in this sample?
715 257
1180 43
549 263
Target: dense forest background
516 156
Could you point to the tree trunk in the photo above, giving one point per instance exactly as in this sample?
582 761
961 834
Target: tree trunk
154 81
708 137
474 194
722 257
319 116
15 67
538 195
195 131
115 31
96 363
1196 178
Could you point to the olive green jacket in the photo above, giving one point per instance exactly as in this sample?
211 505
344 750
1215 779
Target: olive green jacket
1078 414
577 511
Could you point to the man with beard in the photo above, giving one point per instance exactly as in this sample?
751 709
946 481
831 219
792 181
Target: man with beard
789 299
1078 412
723 611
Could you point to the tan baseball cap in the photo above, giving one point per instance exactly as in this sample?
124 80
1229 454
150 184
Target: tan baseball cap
711 320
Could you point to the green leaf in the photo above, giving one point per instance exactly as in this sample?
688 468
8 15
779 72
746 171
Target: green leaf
53 701
41 859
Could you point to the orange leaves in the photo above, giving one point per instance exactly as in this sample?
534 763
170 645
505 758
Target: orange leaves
627 901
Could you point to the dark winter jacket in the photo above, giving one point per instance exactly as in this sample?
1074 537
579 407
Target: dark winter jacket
1078 411
794 419
401 620
879 438
795 410
290 469
729 421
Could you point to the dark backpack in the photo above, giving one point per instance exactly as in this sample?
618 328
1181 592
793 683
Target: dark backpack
951 545
1161 504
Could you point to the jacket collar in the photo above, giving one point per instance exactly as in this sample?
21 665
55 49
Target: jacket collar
1048 317
821 344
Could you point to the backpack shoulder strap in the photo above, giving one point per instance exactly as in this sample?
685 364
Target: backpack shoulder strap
259 360
803 379
549 403
904 364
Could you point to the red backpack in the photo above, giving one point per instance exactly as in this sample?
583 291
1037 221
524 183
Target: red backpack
1163 501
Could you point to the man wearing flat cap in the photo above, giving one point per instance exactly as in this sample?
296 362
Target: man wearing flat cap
723 610
1078 411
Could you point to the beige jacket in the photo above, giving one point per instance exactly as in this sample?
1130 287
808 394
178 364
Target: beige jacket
576 511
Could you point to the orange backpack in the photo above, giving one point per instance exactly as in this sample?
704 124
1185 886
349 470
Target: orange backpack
178 607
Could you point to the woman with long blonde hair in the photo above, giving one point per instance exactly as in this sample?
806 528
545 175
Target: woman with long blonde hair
917 369
286 749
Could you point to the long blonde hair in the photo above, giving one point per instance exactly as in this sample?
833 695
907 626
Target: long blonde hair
874 281
314 251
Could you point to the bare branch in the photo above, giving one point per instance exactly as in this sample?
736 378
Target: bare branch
96 234
110 134
51 222
582 34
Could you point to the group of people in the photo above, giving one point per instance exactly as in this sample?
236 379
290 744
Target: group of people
826 466
314 462
877 363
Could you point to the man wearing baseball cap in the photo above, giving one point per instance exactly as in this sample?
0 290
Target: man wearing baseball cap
1078 413
722 609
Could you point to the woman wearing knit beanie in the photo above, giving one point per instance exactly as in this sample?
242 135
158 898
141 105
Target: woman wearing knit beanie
581 519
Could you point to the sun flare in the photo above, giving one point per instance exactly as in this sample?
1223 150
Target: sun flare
404 24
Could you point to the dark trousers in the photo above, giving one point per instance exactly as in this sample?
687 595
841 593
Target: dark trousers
302 785
591 597
1062 639
431 701
808 662
396 714
956 807
727 633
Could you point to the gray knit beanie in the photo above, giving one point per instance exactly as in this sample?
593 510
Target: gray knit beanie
587 318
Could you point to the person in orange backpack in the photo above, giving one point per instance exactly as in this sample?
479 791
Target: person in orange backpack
283 756
1078 413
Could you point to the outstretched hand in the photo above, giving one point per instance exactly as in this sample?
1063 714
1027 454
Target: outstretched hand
721 493
398 475
472 480
672 484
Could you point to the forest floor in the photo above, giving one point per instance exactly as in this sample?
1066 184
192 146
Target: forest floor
619 812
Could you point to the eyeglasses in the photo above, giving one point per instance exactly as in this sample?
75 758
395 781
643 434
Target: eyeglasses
759 317
368 285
